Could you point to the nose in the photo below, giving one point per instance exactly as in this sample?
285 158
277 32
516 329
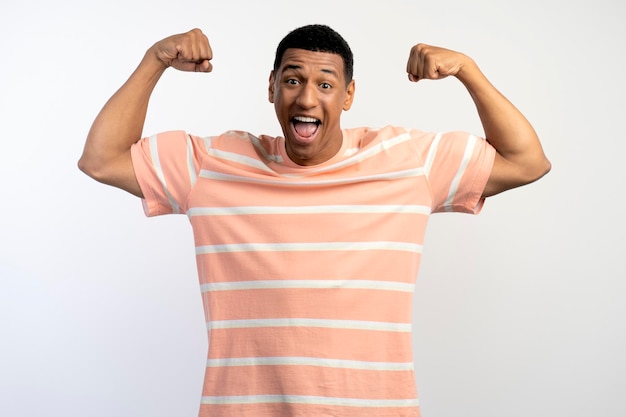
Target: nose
307 97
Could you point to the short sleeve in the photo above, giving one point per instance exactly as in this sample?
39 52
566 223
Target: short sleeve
457 166
166 166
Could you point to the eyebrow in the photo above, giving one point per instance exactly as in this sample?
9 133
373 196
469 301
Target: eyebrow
298 67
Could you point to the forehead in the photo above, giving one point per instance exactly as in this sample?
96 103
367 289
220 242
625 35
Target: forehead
302 59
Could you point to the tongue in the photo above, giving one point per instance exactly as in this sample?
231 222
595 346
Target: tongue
305 129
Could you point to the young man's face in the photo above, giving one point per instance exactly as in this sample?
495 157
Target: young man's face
309 93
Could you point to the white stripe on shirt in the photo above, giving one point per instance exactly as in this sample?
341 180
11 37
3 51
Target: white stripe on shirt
156 163
253 163
432 152
307 322
309 361
309 247
328 209
308 399
239 159
308 284
409 173
191 169
368 153
454 185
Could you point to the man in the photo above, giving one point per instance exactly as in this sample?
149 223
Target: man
308 245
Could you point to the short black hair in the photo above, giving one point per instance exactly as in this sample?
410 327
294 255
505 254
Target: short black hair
317 38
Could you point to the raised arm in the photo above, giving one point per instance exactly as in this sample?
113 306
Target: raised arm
106 156
519 156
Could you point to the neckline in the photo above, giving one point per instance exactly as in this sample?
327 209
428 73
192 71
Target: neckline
288 163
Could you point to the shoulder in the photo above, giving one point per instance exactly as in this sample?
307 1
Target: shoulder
180 143
389 135
236 144
237 138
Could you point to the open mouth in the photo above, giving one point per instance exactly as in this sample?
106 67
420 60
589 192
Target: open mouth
305 127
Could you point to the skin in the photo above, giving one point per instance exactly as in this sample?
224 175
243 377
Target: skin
308 84
311 84
519 156
106 156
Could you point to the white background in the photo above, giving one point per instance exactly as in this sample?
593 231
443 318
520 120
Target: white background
519 311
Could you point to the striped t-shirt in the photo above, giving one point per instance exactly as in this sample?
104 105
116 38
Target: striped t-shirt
307 273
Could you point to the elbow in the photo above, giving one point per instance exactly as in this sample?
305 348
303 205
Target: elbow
507 174
543 167
547 167
86 166
83 166
91 167
536 170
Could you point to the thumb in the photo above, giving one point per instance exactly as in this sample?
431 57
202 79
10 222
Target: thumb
204 66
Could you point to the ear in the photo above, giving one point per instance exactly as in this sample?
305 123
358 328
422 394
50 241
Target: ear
271 88
347 101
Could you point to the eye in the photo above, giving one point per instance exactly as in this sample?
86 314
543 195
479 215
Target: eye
291 81
325 86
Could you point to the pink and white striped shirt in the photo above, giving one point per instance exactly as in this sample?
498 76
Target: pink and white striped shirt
307 273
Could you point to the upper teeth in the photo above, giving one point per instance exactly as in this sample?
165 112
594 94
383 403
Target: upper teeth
305 119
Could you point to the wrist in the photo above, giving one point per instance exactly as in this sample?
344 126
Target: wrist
152 60
151 67
471 76
468 70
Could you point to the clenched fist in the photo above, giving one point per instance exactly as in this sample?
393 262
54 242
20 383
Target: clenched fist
434 63
188 51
